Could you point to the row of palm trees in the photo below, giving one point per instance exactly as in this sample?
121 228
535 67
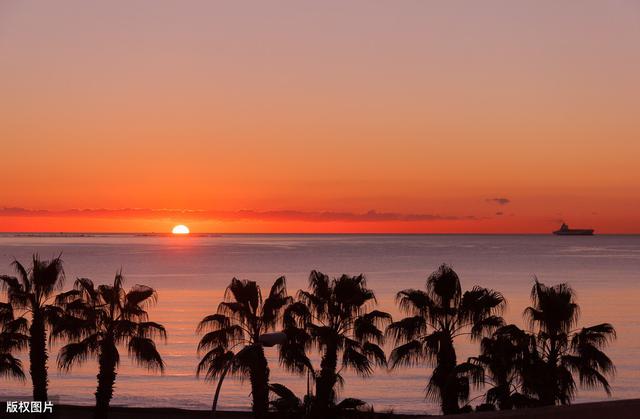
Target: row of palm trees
335 317
94 321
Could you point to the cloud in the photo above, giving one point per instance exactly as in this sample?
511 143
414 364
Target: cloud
499 201
240 215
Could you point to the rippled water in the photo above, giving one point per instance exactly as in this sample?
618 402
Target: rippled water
191 273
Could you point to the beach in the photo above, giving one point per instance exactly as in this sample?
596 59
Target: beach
619 409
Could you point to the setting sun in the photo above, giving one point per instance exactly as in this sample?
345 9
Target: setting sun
180 229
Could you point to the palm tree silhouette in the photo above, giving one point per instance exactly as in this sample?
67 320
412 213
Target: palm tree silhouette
334 316
436 318
32 291
12 338
233 337
561 351
506 356
99 319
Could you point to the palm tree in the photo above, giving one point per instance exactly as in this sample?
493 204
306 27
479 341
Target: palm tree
506 356
99 319
32 291
334 315
435 318
12 338
232 338
563 351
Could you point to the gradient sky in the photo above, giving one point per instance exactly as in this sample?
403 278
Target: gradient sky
306 116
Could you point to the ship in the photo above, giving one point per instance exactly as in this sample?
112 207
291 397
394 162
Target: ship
564 230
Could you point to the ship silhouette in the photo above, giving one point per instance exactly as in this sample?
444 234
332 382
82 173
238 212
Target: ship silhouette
564 230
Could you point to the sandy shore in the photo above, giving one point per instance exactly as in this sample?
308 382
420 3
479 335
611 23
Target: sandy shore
618 409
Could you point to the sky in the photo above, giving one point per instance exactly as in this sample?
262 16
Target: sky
333 116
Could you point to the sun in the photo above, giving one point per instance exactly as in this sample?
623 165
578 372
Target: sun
180 229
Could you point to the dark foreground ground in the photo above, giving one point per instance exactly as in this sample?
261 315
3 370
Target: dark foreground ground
618 409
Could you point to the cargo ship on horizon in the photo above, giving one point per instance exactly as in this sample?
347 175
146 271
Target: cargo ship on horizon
564 230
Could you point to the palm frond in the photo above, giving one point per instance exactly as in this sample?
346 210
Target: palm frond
234 310
591 376
213 322
16 294
275 303
246 293
66 297
554 308
296 315
365 327
152 330
72 328
48 275
214 362
78 352
11 367
123 329
357 361
6 312
23 274
19 325
480 303
413 301
86 286
375 354
245 359
471 370
144 352
407 329
319 285
221 337
52 313
599 336
407 355
486 326
443 286
138 299
292 353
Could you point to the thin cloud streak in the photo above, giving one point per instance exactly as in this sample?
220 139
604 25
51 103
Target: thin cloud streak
499 201
269 215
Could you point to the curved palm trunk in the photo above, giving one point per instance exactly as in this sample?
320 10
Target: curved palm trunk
214 406
445 377
106 379
326 381
259 376
38 357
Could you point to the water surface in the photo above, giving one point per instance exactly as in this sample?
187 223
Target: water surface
190 274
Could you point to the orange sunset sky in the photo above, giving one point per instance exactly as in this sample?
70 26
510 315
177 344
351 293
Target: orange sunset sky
305 116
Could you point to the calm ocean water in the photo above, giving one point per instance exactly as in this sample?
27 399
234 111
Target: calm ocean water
190 274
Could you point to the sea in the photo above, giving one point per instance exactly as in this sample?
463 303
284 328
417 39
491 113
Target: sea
191 273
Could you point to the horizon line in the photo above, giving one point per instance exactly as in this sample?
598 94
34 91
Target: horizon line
154 233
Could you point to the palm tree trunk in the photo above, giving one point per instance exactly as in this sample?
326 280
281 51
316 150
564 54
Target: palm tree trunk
38 357
259 376
447 360
106 379
325 393
550 392
214 406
